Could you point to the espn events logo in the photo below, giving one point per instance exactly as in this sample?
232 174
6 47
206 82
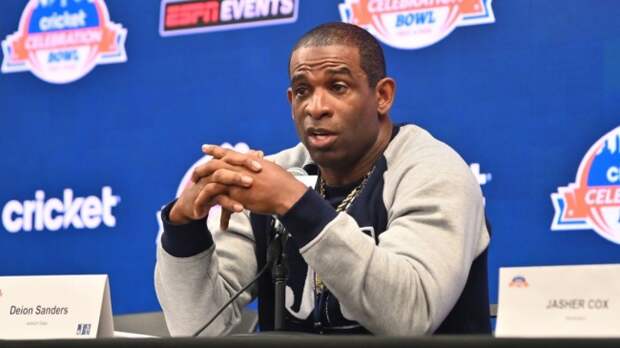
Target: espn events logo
53 214
181 17
412 24
61 41
593 200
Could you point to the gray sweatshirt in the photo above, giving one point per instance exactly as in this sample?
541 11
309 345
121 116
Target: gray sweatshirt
396 263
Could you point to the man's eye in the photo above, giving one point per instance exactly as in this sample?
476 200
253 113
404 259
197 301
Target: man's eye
339 87
301 91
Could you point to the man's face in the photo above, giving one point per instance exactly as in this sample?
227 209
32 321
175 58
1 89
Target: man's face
334 109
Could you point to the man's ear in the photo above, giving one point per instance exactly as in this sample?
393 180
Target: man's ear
385 91
289 96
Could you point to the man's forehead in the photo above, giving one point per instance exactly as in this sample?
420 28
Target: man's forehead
331 57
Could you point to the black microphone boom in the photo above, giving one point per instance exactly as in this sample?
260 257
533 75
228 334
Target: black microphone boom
273 251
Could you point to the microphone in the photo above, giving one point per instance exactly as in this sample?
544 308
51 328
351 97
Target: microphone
279 271
274 252
303 176
297 171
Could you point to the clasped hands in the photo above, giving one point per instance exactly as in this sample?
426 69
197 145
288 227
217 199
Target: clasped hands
236 182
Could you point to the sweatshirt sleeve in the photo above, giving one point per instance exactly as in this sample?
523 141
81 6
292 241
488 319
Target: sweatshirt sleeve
184 240
409 282
193 278
308 217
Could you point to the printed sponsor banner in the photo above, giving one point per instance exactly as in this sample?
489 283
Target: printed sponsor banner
412 24
53 214
182 17
593 200
61 41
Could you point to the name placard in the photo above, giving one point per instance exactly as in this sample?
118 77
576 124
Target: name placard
47 307
559 301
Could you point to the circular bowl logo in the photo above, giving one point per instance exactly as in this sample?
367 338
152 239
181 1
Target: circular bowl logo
60 41
593 200
414 23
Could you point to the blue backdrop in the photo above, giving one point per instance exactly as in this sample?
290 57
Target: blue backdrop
524 97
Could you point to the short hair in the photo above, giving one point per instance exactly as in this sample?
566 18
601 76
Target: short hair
371 56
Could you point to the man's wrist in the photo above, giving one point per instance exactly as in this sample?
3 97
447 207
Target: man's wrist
308 217
184 240
291 198
176 216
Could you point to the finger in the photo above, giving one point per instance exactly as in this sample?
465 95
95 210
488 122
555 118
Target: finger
225 201
209 168
256 153
229 204
248 161
215 151
205 198
220 152
225 219
230 178
233 157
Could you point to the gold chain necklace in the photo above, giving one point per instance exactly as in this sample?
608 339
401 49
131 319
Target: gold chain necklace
319 286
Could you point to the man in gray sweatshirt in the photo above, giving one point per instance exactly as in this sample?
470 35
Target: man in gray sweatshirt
391 241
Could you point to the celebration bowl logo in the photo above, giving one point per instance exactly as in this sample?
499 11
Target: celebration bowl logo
411 24
593 200
60 41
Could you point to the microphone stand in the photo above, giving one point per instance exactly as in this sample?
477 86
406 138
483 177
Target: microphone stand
279 274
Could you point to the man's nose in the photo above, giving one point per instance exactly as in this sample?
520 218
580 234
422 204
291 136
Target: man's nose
318 106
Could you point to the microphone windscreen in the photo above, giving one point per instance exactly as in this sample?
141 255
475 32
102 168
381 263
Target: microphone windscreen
296 171
301 175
